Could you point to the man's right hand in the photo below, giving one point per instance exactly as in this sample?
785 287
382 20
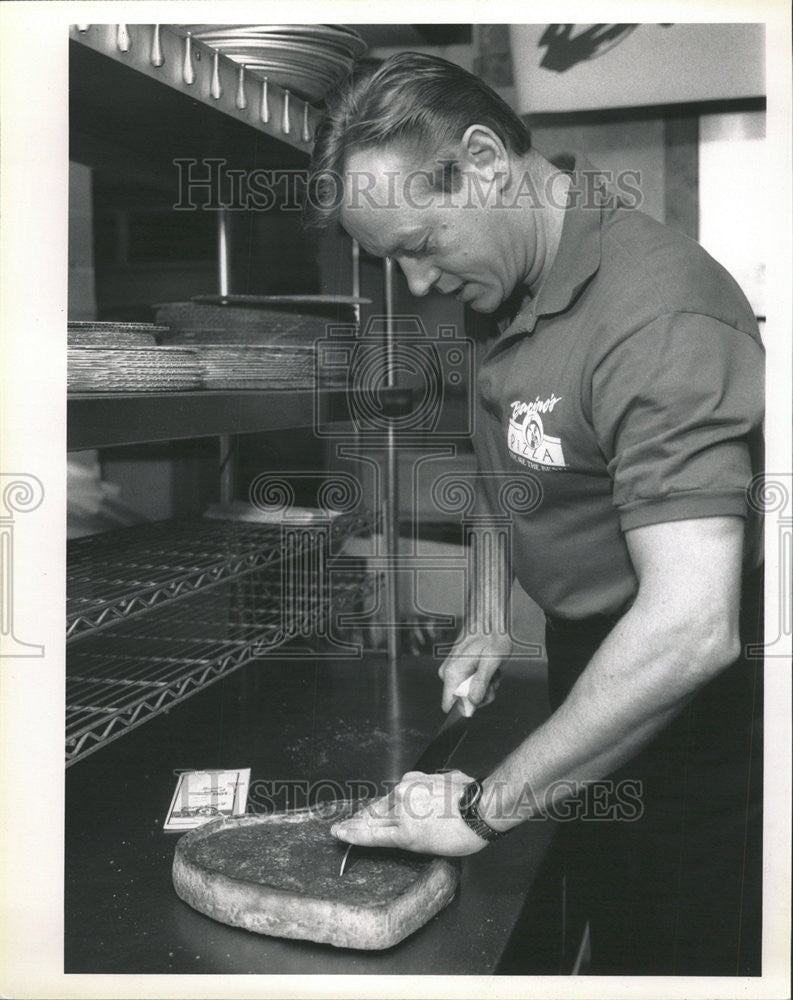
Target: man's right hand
478 656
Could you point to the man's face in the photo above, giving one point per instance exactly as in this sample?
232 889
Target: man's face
452 243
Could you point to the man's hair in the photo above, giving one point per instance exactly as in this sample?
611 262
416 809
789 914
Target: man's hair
420 100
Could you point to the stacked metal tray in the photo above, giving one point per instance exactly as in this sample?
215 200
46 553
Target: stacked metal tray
254 367
266 320
97 333
259 341
132 369
208 346
307 59
124 357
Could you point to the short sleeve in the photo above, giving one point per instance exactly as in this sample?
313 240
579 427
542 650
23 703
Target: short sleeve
677 407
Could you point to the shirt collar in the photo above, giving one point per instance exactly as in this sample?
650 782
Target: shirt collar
578 255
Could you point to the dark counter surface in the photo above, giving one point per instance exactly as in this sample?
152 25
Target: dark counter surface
304 728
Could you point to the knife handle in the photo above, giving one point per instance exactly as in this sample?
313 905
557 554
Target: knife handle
467 707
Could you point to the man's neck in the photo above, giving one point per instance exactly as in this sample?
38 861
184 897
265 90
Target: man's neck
544 230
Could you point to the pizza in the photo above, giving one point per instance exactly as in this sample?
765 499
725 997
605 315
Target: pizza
278 874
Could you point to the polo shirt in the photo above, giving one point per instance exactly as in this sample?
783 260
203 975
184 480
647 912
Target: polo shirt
630 390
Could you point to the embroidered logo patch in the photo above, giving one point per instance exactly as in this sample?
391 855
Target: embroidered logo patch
528 440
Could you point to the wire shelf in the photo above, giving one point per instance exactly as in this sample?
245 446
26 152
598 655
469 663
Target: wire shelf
122 573
119 678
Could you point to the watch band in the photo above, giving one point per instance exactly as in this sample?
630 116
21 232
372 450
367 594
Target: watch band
470 815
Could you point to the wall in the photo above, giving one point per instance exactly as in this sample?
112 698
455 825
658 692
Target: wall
733 200
561 68
615 146
462 55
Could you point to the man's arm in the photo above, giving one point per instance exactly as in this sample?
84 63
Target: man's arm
484 642
681 631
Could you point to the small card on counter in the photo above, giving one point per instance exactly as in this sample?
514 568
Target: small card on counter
201 796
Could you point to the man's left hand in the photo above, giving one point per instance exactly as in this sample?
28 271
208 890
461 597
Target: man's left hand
420 814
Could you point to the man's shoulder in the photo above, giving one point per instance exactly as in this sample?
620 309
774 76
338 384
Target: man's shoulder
656 269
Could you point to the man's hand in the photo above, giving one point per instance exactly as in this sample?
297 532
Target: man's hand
478 656
420 815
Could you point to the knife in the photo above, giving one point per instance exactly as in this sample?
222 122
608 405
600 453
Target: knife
438 754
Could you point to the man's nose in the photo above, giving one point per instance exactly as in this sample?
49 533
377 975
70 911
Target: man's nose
420 276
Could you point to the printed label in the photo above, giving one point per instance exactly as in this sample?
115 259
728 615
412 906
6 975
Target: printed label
528 440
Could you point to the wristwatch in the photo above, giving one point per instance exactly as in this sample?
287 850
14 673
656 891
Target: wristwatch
469 812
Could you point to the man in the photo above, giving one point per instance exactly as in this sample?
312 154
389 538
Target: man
629 383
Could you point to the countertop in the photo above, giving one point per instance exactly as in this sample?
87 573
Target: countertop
307 729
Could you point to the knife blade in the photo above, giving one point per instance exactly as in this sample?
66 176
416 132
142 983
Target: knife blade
439 752
438 755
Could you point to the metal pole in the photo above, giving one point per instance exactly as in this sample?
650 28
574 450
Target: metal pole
225 441
356 279
224 270
392 480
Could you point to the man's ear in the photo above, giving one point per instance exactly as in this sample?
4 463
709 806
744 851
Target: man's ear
486 153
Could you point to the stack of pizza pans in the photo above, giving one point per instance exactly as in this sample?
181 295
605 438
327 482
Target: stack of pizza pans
260 341
123 357
252 367
256 319
92 333
307 59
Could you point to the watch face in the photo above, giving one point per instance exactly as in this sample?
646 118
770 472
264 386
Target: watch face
470 814
470 796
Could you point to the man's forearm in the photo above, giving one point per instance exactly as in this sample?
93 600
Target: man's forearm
489 575
484 640
638 680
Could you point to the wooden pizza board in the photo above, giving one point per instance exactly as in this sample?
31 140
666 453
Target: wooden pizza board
279 875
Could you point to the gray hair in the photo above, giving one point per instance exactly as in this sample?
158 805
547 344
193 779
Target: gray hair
418 100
